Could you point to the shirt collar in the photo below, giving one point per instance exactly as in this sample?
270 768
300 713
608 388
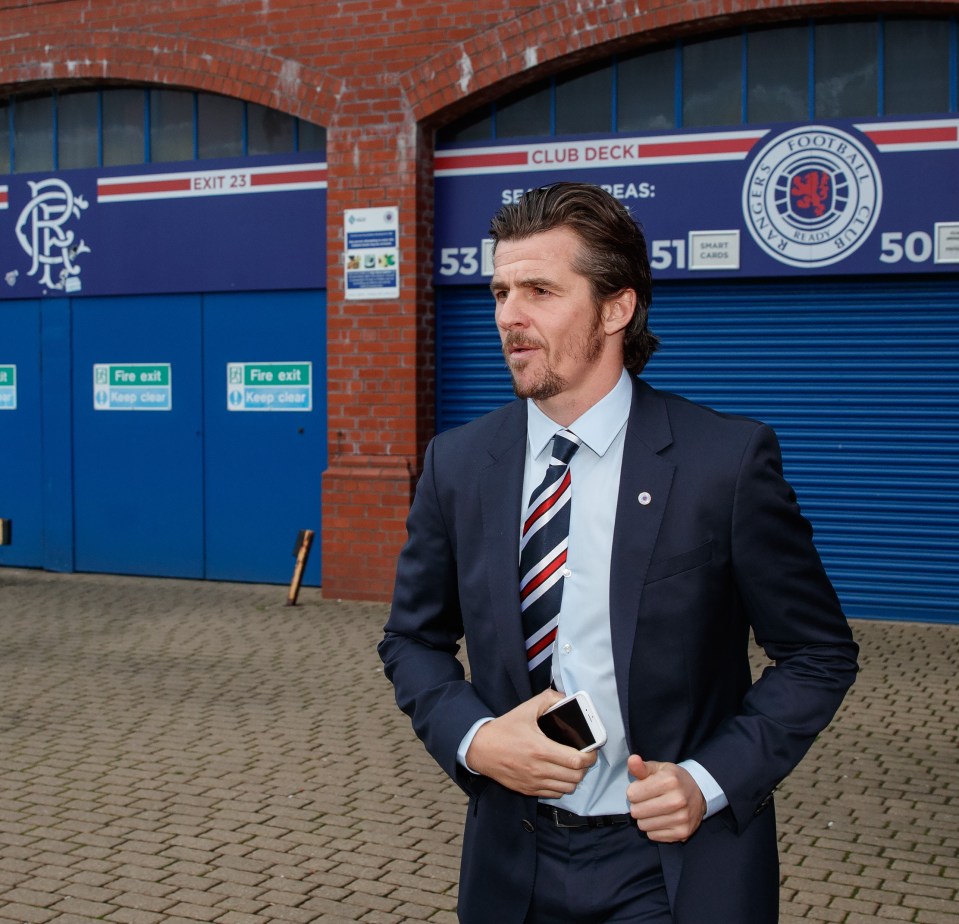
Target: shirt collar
597 427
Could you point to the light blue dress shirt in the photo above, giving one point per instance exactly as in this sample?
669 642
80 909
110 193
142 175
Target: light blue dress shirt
582 653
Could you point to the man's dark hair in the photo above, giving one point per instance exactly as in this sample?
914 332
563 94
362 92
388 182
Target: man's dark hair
612 252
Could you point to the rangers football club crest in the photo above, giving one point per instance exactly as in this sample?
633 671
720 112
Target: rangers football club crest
812 196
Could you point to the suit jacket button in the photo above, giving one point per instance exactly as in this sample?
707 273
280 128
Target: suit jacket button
528 825
763 805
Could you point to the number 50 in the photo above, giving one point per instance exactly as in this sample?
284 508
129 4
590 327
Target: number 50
917 247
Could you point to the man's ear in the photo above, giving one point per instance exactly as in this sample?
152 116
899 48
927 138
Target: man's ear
618 311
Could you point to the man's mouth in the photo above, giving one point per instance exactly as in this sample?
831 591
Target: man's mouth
519 349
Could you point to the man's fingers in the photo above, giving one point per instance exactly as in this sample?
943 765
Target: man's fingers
664 799
553 789
667 806
637 767
513 751
542 701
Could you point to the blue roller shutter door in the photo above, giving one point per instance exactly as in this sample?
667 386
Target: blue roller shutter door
859 378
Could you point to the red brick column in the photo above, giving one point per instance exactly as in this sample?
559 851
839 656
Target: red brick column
365 502
379 358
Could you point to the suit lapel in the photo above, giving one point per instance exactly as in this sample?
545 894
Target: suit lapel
644 487
501 503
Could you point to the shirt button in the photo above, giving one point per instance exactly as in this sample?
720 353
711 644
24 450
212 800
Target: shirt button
567 648
567 572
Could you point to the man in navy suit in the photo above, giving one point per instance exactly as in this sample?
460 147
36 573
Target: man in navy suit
683 539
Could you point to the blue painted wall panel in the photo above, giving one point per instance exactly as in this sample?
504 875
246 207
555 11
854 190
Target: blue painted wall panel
21 470
57 387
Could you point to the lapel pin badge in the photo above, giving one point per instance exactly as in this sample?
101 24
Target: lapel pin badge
645 498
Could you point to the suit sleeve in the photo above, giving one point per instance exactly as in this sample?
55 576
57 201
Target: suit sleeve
421 640
797 619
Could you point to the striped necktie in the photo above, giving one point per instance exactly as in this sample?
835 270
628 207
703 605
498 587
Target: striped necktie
542 558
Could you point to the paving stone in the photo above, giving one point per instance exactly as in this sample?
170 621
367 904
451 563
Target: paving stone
370 902
380 917
21 914
241 905
237 917
133 916
30 896
81 908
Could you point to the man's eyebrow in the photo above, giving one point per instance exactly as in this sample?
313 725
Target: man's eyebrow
538 282
528 282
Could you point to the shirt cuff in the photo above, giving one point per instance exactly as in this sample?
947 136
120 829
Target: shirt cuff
715 798
467 741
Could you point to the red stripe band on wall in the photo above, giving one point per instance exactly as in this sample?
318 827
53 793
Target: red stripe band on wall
932 135
463 161
142 187
291 176
685 148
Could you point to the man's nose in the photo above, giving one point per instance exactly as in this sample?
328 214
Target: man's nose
509 312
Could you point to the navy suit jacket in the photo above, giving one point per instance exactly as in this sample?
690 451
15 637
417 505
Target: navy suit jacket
720 551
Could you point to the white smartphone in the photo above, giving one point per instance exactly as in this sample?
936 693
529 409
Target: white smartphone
574 721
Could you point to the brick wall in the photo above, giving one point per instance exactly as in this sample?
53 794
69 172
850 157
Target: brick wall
380 75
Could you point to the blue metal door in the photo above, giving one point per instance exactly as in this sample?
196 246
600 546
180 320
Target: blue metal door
21 444
265 431
138 448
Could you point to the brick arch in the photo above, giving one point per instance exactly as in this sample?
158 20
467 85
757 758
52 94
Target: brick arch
575 32
171 60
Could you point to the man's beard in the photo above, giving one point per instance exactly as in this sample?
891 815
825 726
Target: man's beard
550 383
548 386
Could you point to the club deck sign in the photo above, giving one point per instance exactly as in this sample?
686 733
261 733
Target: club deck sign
781 200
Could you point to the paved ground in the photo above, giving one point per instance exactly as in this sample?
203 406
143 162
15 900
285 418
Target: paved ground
181 751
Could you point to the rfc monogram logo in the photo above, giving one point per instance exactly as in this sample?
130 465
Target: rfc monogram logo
812 196
43 234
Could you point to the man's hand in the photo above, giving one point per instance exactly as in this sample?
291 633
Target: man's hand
513 751
664 799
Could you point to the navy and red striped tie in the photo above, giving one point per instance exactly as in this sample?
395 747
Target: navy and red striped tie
542 559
